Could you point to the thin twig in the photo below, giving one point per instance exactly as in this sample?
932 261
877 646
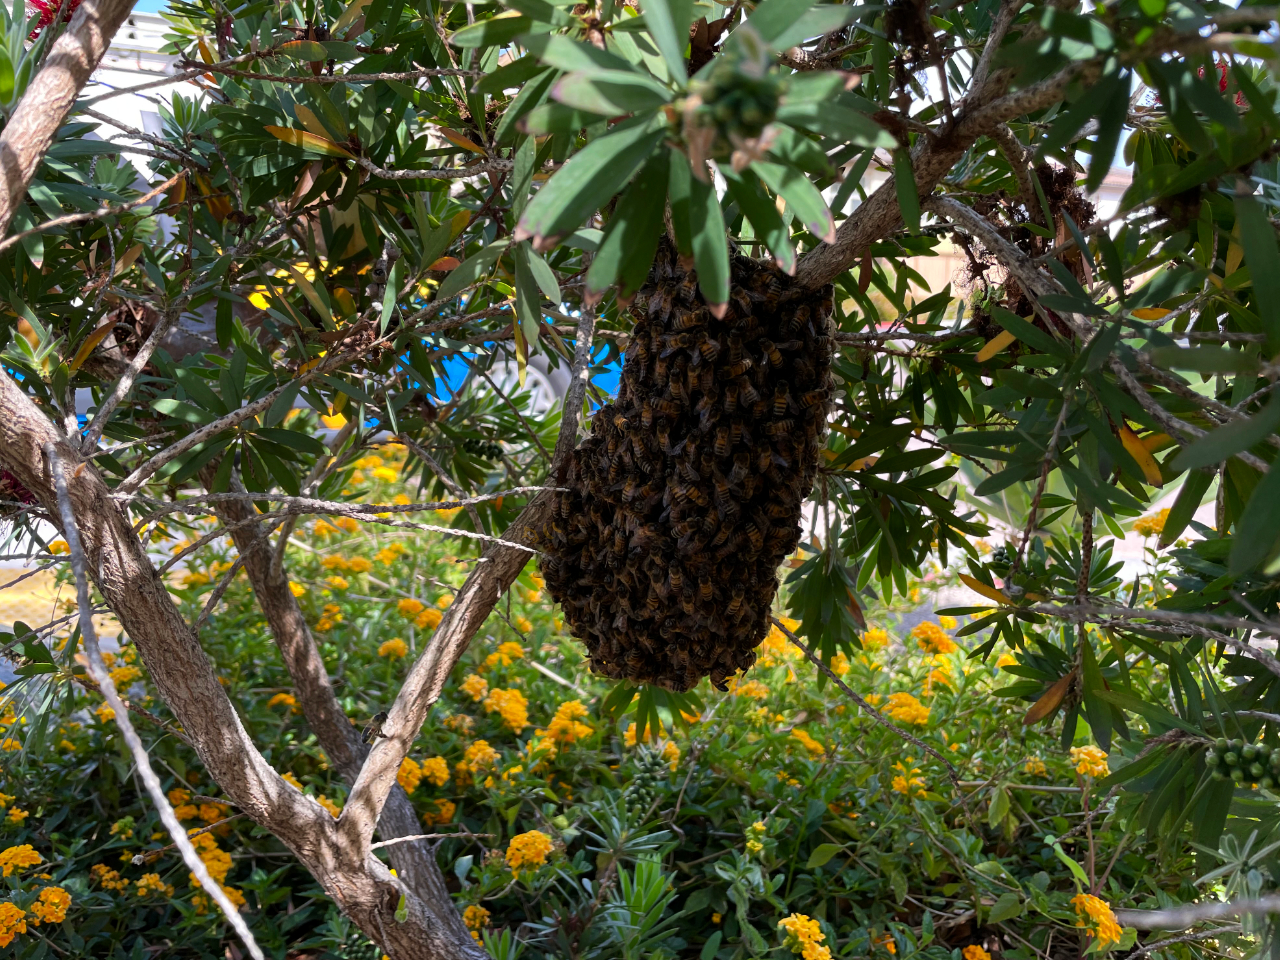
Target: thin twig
1179 918
151 856
463 835
121 390
1185 938
98 671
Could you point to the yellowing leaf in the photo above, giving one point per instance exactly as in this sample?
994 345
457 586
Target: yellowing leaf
29 333
127 260
977 586
995 345
1143 457
1151 313
205 55
1049 702
308 291
90 342
219 207
446 263
459 223
1235 252
1035 597
458 140
309 141
1156 441
307 117
349 15
346 304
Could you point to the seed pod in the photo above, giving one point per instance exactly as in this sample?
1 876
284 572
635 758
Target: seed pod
1231 758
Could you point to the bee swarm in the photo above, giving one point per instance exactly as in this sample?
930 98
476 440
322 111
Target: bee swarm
686 497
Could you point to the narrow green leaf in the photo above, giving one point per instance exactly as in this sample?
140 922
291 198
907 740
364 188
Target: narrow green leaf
822 855
710 246
1262 254
470 270
631 236
805 200
1185 505
766 222
610 92
1258 529
904 180
1230 439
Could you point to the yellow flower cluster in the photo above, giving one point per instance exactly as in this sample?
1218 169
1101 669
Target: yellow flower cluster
975 952
389 554
335 811
330 616
394 648
804 937
428 619
906 780
107 878
511 705
409 608
58 547
10 745
16 815
565 726
941 673
506 654
478 756
1151 526
1035 767
337 583
123 676
123 829
840 665
476 918
409 775
12 922
755 838
1097 918
815 748
528 850
443 813
671 754
1006 660
933 639
752 689
1090 761
523 624
104 713
218 863
150 883
285 699
876 638
461 722
18 858
340 563
297 589
905 707
474 686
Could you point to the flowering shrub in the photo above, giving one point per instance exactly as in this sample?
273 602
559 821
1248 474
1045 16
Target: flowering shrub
785 795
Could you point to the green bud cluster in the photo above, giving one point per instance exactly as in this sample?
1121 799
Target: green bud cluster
482 448
739 99
1245 763
650 777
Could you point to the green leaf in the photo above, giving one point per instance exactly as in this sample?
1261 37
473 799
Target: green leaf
766 222
610 92
805 200
1008 907
1258 528
631 235
668 25
545 277
588 180
556 118
308 50
1230 439
772 18
817 22
822 854
1205 359
1028 333
182 411
1261 253
513 76
838 122
1153 712
571 56
1185 505
470 270
904 181
494 32
710 245
390 294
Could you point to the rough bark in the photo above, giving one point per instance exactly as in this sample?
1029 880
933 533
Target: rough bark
49 97
358 882
414 862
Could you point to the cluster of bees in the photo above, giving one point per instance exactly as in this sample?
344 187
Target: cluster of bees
686 497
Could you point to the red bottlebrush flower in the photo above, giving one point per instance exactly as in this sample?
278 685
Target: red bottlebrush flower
12 490
49 11
1223 82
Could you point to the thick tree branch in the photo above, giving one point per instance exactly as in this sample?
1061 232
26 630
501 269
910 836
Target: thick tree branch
42 109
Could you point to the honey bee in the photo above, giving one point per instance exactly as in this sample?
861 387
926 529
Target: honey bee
707 380
667 408
741 301
678 390
721 447
747 391
684 469
741 467
771 353
735 348
730 396
675 578
675 341
735 600
705 592
710 349
812 398
736 369
651 605
699 496
660 306
777 510
685 321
